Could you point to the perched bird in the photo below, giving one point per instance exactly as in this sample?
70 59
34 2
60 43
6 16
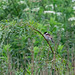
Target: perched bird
48 37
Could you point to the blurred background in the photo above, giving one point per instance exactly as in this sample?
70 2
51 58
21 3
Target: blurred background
23 51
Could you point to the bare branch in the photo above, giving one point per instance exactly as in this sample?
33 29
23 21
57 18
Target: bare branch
44 38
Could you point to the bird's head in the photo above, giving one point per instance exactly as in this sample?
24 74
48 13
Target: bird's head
45 32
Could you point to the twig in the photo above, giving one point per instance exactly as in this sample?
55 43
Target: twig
44 38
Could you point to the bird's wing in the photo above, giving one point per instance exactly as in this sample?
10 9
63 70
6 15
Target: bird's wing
47 34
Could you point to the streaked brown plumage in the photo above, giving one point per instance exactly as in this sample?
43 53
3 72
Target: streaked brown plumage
48 37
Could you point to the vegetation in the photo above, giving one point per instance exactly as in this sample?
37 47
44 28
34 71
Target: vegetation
23 48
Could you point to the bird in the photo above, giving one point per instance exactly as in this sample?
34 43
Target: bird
48 37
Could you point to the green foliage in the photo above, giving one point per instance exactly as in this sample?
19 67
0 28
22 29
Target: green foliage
23 51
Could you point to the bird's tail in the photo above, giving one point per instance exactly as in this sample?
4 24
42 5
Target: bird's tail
52 40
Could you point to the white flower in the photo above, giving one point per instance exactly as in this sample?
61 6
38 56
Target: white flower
49 12
74 8
56 26
26 9
22 2
4 7
55 5
71 19
62 29
58 13
73 0
51 5
36 9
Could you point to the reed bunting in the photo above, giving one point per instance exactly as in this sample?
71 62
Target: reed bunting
48 37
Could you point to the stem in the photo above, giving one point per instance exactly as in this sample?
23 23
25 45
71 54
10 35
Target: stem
44 38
